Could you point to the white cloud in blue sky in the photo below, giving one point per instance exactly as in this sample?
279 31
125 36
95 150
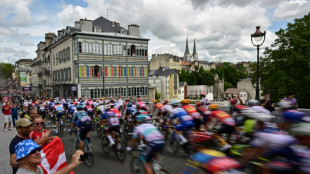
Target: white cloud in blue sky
221 28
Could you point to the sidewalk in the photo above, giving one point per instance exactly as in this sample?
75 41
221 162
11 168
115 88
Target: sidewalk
5 140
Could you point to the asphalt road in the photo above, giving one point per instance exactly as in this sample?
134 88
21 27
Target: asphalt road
110 164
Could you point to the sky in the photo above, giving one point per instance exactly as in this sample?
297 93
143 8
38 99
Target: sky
221 28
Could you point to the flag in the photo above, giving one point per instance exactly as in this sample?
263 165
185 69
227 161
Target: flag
53 156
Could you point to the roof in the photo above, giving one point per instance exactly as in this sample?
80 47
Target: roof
185 63
107 25
182 83
233 91
162 72
23 60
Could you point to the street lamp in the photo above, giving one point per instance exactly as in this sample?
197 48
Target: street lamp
259 38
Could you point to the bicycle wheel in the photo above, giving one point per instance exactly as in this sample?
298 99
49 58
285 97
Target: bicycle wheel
136 166
98 130
60 129
76 144
121 153
163 171
173 145
90 156
105 145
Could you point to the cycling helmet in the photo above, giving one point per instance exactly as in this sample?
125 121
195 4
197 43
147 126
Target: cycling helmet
254 103
213 107
107 107
57 102
100 103
71 102
138 106
233 101
285 105
301 129
142 118
166 101
262 117
174 103
79 107
129 105
106 102
155 101
139 99
203 93
294 116
87 103
144 108
199 138
185 101
198 103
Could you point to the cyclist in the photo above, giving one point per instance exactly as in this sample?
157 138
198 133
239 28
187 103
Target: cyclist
115 110
165 109
205 160
77 117
182 122
89 109
204 113
112 123
86 126
301 131
152 138
42 110
59 110
227 125
191 110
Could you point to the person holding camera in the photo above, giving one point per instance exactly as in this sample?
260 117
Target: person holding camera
267 103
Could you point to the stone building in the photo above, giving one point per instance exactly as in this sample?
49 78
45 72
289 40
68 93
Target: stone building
96 58
166 60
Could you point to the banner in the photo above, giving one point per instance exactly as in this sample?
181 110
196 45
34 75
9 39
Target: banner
53 156
22 78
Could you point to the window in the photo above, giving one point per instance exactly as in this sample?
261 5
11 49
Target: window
80 47
133 50
97 71
68 53
108 50
97 29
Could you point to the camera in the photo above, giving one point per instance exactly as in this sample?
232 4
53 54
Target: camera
83 157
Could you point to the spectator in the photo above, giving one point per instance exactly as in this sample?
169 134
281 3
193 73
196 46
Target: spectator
39 132
33 113
267 103
14 113
120 102
7 115
293 100
29 157
204 99
23 127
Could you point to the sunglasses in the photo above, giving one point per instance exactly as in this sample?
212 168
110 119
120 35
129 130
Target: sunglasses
35 150
39 123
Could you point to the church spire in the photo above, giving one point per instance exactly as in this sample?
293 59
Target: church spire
195 54
186 54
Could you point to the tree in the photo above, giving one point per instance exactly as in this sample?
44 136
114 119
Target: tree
157 95
6 70
286 65
186 76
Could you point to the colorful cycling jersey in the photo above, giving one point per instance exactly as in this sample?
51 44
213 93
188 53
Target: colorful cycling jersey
182 115
149 132
85 118
116 111
166 108
293 116
275 139
51 105
191 110
209 160
111 117
42 108
261 109
100 108
78 115
141 103
89 108
223 117
59 108
158 106
131 111
304 157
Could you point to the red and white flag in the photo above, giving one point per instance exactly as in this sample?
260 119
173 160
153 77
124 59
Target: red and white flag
53 156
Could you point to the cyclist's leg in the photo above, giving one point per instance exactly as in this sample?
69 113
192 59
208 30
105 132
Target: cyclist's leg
82 136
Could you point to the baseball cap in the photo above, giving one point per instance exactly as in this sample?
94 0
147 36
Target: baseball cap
23 122
23 148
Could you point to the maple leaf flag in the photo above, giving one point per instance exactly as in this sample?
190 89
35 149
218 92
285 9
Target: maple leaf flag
53 156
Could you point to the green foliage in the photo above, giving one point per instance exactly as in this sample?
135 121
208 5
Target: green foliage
227 85
286 65
197 77
231 74
157 95
6 70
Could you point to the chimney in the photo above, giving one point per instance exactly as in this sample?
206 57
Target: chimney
60 32
113 22
49 38
86 25
134 30
77 24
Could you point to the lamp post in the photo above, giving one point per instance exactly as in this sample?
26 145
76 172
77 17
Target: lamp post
259 38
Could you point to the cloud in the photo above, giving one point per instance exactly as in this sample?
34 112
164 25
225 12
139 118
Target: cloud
292 9
26 43
12 54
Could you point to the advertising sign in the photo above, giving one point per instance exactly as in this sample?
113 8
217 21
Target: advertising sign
22 79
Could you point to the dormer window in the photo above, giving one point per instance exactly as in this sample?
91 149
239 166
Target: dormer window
97 29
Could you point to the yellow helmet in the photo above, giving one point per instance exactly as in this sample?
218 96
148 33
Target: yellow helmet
185 101
213 107
155 101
